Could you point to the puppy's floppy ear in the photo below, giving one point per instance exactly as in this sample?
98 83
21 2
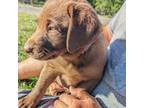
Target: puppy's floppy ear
83 23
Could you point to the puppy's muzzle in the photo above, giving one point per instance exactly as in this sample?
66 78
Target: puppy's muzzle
28 49
29 46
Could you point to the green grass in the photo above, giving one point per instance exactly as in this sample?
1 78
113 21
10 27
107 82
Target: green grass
26 26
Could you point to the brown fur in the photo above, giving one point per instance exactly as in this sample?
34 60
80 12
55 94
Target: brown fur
65 27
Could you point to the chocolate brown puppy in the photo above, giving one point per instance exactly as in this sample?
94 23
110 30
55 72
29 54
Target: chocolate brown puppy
68 45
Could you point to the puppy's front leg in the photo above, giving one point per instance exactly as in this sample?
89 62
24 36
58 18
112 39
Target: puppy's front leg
47 76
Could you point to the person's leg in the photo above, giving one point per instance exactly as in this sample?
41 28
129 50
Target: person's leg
46 101
30 68
111 91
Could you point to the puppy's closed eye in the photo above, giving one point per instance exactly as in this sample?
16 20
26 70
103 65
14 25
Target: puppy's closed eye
53 26
50 28
57 29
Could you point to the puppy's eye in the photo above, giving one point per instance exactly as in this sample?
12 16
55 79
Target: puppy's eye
50 28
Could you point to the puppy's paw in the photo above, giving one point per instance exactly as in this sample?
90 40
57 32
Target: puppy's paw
27 102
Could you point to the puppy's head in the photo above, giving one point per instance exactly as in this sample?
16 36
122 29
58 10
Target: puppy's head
62 26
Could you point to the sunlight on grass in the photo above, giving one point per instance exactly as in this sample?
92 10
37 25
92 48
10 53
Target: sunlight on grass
26 26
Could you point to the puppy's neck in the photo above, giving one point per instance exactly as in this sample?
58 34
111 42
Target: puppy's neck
73 58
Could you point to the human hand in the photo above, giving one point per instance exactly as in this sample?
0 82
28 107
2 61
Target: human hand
77 99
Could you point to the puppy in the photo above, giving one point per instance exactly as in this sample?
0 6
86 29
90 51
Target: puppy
69 41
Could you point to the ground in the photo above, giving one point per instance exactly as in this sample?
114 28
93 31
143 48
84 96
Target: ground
28 9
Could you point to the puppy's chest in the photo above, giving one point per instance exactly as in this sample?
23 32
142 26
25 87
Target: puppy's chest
69 64
70 72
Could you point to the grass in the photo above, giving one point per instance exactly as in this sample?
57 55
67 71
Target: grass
26 26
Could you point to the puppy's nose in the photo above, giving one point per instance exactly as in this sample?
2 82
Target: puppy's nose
28 49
